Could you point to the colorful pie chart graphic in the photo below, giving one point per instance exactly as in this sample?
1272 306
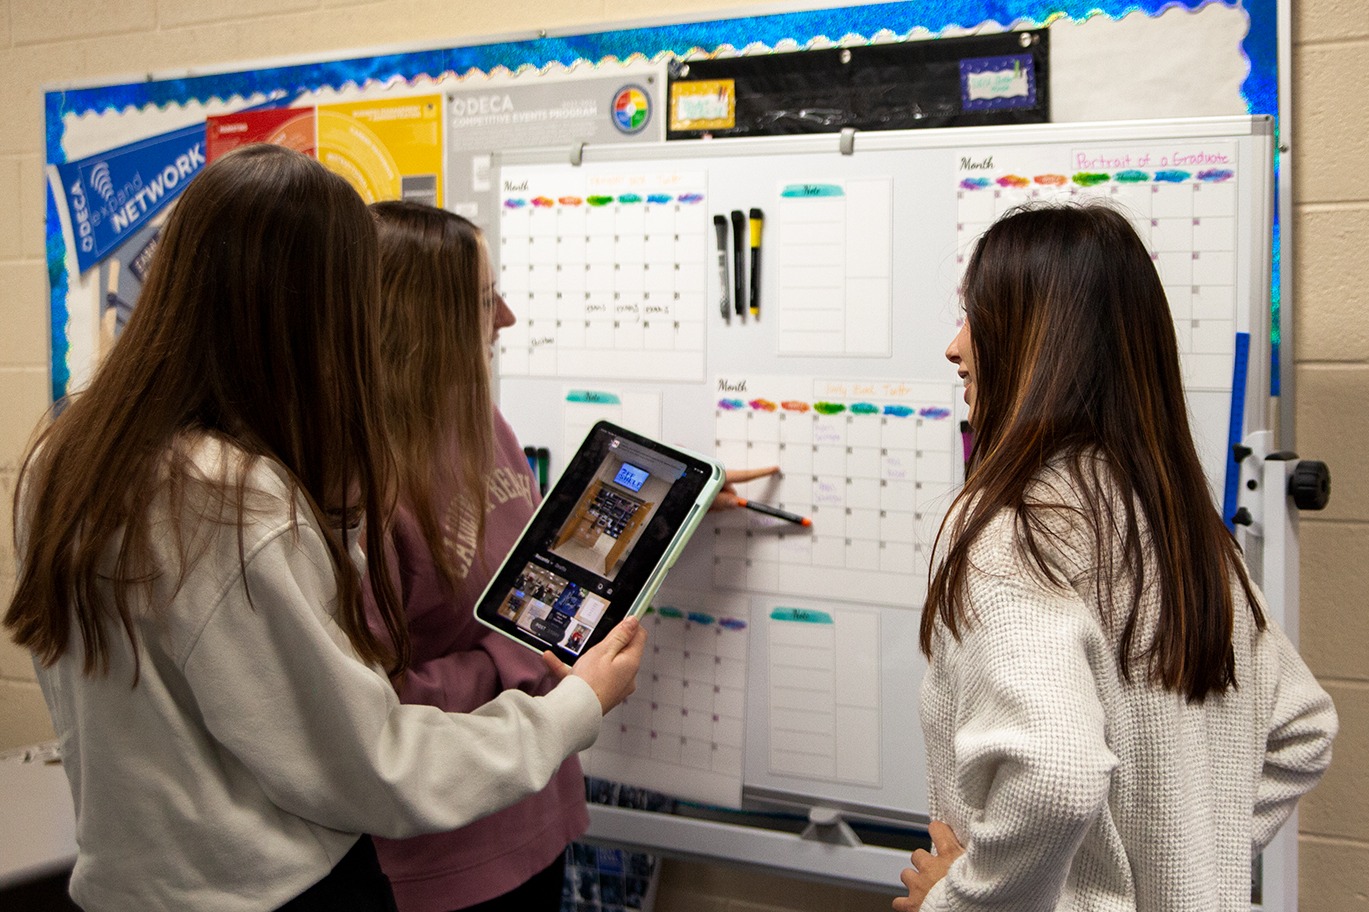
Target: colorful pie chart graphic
631 109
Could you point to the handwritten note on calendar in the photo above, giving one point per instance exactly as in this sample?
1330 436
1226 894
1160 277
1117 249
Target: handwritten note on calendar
873 463
1182 200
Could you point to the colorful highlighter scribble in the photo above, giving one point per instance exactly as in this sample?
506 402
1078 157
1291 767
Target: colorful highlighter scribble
629 198
808 191
764 405
698 617
1051 180
899 411
690 198
731 405
1172 177
794 405
975 183
864 408
1091 178
934 413
514 203
1013 181
599 200
1131 176
732 623
666 611
1216 175
658 198
571 201
543 202
828 408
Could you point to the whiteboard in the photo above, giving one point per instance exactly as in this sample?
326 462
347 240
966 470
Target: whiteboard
784 664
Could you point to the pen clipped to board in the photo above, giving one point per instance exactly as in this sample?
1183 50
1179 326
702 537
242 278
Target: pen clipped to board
724 298
757 225
738 261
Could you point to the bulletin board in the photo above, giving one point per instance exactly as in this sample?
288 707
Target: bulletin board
839 377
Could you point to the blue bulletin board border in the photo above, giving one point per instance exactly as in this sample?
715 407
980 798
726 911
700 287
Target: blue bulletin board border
774 31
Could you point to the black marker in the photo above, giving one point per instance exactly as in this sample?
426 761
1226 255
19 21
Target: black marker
774 511
724 302
738 261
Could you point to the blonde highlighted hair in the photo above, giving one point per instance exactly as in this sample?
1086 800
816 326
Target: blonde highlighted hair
436 323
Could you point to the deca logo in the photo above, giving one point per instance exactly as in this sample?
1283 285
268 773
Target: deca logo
631 109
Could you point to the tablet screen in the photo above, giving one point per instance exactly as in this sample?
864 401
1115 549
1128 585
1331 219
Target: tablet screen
596 541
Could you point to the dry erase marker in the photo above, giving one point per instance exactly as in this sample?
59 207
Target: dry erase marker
724 303
738 263
543 465
757 221
775 512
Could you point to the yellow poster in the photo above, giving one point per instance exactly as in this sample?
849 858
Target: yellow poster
703 104
387 149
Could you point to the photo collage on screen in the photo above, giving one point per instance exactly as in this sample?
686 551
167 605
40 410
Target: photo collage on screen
561 593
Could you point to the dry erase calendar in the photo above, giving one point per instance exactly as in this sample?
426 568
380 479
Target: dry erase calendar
872 462
840 378
1182 199
605 272
681 732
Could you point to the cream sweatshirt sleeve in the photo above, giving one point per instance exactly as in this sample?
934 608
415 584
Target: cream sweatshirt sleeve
324 734
1030 754
1301 727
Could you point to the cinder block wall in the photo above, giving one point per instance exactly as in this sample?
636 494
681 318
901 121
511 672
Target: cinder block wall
1331 354
64 41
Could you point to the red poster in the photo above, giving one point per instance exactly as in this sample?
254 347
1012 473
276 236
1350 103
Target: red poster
289 127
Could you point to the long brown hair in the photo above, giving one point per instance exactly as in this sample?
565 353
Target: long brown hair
255 326
436 313
1076 365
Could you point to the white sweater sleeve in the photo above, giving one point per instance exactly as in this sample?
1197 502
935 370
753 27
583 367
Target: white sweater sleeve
1030 753
324 734
1298 746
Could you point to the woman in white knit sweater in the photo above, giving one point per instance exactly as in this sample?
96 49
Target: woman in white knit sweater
1111 721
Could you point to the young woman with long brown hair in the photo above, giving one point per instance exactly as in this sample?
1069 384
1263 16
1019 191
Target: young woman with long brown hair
441 317
1111 722
186 530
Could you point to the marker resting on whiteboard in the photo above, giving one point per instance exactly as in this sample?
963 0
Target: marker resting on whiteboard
543 464
738 263
724 301
775 512
757 222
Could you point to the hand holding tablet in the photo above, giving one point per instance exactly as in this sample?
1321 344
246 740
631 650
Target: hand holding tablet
610 666
598 547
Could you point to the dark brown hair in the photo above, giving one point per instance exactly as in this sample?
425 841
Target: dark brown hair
436 324
255 326
1076 367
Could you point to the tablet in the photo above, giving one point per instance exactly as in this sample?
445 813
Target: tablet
598 547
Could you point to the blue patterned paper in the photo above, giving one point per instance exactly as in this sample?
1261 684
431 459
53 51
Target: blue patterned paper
780 30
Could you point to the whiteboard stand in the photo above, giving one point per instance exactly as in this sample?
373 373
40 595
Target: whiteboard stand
858 866
1275 486
826 825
